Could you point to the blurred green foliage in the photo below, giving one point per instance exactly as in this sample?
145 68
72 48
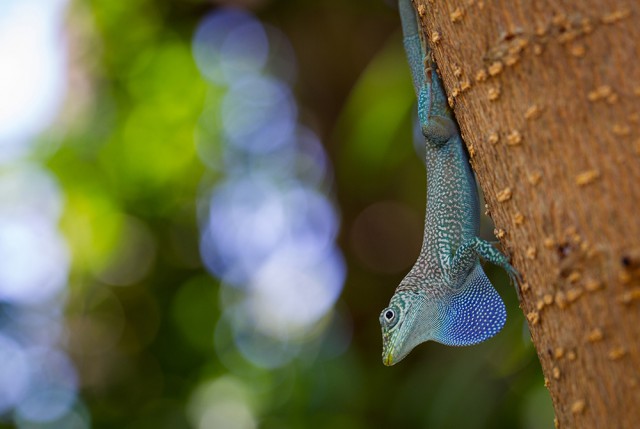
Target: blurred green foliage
143 313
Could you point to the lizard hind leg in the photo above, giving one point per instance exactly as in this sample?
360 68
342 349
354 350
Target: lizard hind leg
438 97
436 119
473 313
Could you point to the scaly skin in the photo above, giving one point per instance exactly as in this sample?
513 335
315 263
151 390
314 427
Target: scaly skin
446 297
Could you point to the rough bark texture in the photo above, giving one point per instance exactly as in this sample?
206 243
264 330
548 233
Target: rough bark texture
547 94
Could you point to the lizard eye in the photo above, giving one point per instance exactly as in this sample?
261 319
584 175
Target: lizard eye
389 317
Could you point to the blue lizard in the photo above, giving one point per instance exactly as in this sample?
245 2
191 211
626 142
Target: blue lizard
446 296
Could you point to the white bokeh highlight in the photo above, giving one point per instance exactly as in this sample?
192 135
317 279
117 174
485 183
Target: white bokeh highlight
32 71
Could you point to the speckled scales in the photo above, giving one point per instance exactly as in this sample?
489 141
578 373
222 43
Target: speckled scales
446 297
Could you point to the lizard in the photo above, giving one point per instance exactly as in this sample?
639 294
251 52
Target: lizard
446 296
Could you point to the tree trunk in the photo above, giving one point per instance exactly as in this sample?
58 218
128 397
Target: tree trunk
547 95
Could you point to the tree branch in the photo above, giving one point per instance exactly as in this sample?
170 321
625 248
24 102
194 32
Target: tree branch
547 95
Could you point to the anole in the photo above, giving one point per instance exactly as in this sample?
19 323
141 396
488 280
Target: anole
446 297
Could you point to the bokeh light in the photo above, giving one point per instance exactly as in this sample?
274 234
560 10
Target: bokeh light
33 260
251 218
222 403
258 114
14 373
269 228
230 44
38 381
51 391
32 75
292 291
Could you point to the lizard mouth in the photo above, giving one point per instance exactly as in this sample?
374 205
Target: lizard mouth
389 346
387 352
388 359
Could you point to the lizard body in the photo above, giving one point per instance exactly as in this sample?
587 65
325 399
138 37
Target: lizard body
446 296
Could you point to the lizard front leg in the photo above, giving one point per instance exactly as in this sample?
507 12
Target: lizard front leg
468 253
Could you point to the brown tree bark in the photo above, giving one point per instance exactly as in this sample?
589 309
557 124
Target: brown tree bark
547 95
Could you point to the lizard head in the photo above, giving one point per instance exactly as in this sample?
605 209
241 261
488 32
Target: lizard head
462 316
410 319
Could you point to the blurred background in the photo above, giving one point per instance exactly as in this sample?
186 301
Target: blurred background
204 206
